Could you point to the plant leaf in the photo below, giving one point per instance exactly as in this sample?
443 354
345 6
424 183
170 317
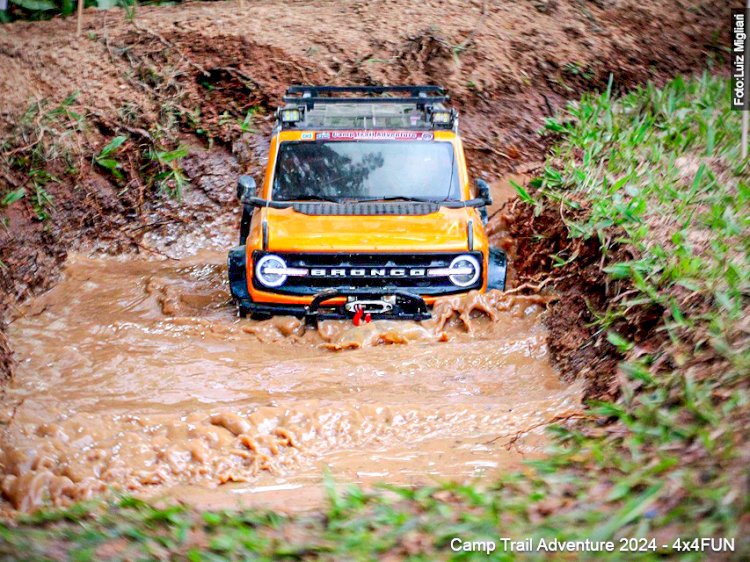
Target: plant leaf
113 145
522 193
13 196
619 342
35 5
107 163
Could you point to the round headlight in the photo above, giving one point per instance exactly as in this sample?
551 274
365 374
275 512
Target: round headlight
466 271
269 270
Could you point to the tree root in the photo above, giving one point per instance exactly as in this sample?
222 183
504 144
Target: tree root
565 416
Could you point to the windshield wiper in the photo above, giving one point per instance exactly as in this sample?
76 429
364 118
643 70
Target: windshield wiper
398 198
448 203
315 198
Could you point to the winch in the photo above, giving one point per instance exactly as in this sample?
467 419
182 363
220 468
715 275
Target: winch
361 304
371 306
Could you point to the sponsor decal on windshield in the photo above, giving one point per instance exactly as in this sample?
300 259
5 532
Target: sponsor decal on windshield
374 135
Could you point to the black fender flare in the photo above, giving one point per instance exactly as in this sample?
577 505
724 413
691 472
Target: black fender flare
237 272
497 269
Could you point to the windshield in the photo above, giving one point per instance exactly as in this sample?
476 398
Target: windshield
366 170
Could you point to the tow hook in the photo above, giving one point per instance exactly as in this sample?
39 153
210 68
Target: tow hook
360 316
364 309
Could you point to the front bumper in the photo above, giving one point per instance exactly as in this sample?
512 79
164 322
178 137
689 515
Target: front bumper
336 302
328 305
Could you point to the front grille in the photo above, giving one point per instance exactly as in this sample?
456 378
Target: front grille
382 262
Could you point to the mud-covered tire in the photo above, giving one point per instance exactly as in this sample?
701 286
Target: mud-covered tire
242 312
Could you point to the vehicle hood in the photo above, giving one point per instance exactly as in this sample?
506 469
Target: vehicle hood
444 230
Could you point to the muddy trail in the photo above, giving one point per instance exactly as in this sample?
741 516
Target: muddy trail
137 375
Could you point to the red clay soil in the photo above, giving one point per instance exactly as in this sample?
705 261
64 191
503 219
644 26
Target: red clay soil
577 347
190 74
6 358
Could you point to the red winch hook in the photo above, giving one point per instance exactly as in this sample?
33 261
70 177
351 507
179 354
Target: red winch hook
358 316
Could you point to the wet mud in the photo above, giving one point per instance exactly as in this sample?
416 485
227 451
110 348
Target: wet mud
134 374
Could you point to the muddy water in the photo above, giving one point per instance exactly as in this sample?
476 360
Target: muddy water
135 374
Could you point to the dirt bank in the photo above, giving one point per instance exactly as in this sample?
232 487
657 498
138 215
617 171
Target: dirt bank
577 347
201 79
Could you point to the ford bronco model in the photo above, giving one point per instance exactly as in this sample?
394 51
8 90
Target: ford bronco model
366 209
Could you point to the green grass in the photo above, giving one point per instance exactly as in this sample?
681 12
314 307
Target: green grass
655 176
106 158
53 144
45 134
47 9
170 179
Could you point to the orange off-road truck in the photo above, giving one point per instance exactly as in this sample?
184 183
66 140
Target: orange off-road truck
366 209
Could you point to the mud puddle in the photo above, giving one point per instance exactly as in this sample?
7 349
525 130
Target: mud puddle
134 374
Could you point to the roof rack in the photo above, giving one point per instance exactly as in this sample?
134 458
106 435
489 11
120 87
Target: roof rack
382 107
419 95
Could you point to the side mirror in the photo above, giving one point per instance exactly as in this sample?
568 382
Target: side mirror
483 190
245 187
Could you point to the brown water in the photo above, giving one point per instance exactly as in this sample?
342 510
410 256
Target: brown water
135 374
